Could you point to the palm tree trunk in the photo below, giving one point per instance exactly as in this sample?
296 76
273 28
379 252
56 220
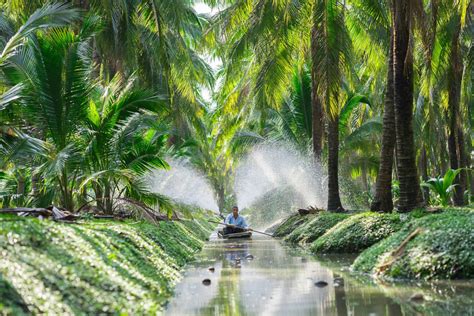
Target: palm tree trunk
334 200
463 180
383 188
21 186
99 197
470 175
67 199
410 193
424 172
34 185
108 199
317 109
220 199
456 137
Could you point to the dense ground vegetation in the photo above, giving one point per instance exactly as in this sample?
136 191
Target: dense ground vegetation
417 246
314 228
441 248
95 267
357 232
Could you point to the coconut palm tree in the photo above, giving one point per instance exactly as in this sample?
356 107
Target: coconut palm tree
447 69
333 48
369 25
267 41
123 140
159 41
292 122
55 76
410 194
456 142
14 33
217 142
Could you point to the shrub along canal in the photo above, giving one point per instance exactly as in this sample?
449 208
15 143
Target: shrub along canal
264 276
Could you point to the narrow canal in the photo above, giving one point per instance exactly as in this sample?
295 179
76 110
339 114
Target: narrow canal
262 276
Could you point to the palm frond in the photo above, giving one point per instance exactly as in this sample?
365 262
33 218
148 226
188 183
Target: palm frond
51 15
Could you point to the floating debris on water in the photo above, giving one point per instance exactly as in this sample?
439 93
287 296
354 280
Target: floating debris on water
321 283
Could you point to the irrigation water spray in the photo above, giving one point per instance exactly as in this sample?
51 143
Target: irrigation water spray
276 179
183 184
272 181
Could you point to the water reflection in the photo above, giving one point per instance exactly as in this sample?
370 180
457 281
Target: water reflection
281 281
236 251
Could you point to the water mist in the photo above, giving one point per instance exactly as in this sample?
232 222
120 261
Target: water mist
276 179
183 184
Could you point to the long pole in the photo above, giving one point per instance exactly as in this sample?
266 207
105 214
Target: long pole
229 225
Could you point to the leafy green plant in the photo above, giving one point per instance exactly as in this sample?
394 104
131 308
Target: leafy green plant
125 140
395 190
443 187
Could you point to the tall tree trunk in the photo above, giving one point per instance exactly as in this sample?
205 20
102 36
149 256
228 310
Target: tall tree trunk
317 109
334 200
220 199
99 196
470 175
383 188
21 185
67 198
410 193
34 184
456 138
463 163
424 172
108 199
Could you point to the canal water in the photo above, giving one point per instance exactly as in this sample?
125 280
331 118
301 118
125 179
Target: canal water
263 276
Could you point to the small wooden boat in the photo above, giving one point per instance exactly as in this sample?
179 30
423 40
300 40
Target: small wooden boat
247 234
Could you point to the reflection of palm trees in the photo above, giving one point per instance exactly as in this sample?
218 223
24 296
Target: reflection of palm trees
340 297
236 252
228 300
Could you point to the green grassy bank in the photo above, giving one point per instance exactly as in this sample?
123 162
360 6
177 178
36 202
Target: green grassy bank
419 245
93 267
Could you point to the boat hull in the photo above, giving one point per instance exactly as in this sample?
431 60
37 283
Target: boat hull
241 235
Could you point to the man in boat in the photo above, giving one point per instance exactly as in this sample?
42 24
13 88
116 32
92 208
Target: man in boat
237 222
